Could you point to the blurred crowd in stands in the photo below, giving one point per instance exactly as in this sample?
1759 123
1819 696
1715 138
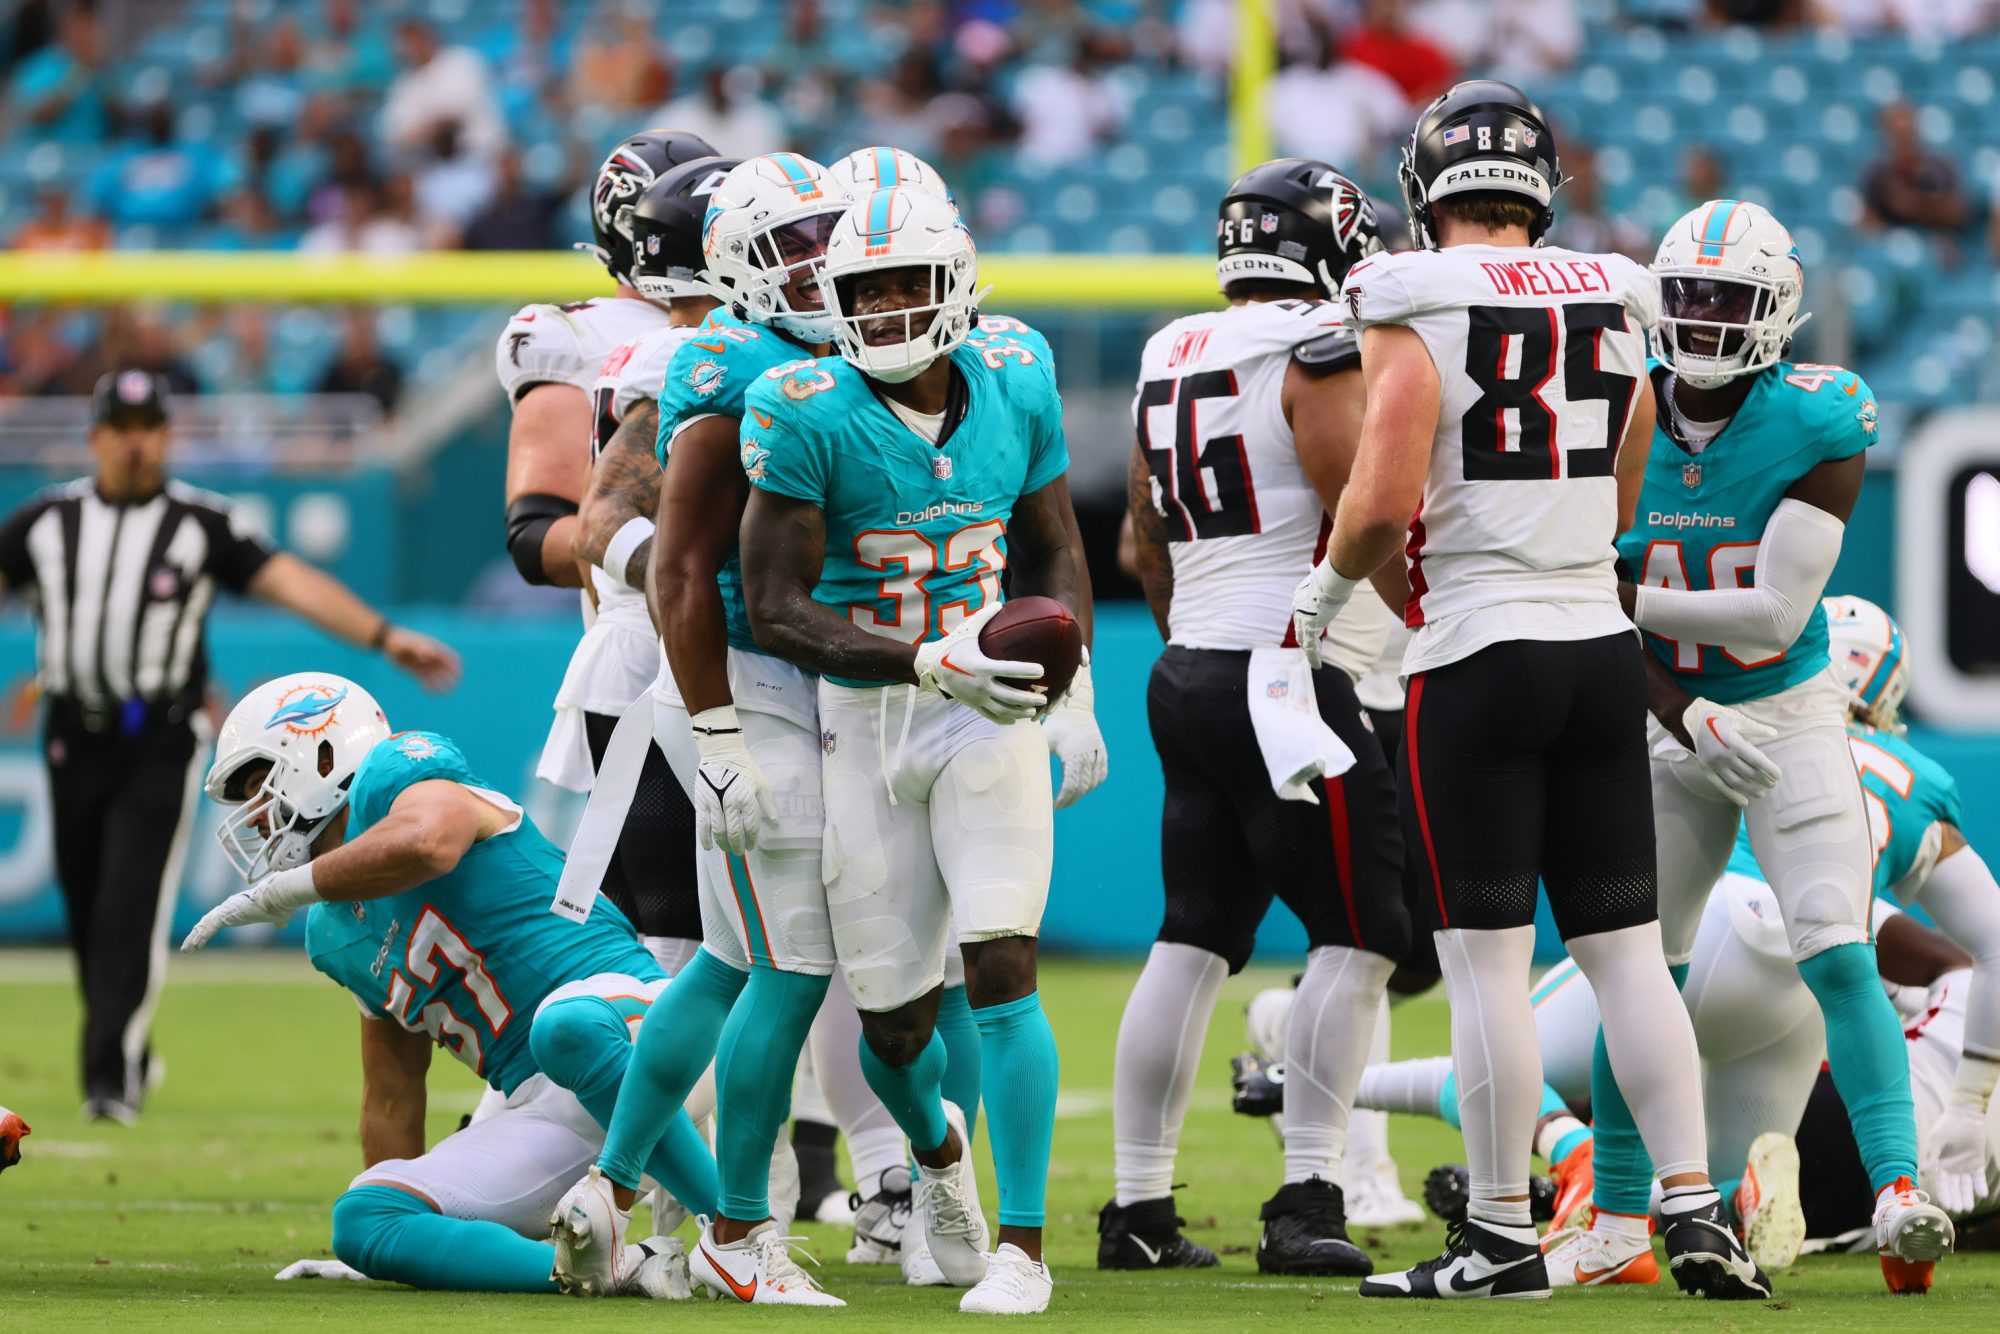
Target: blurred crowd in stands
403 125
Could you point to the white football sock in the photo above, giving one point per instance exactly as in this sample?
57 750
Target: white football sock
1159 1055
808 1102
873 1140
1650 1041
1411 1087
1494 1054
1326 1046
1368 1130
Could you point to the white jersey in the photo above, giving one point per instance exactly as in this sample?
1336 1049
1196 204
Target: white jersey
614 661
1541 355
1243 521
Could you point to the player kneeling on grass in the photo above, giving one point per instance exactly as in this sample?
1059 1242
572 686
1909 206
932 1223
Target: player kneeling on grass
890 488
428 898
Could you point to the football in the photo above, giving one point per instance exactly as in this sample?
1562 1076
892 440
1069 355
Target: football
1037 630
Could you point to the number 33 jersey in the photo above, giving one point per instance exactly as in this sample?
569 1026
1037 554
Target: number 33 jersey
468 957
1242 520
1541 356
916 532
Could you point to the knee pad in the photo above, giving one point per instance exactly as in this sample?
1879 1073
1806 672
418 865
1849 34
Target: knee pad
1824 908
364 1219
569 1037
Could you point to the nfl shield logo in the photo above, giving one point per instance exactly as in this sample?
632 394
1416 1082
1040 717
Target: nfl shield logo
941 467
1691 475
1268 223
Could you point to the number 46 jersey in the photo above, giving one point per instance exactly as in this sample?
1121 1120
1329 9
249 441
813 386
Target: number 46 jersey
1242 519
1541 356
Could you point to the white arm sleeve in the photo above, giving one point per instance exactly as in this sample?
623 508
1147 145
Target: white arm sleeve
1800 548
1962 897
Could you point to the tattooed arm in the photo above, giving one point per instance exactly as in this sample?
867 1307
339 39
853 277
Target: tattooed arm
625 485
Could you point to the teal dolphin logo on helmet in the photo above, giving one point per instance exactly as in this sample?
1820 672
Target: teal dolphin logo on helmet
314 704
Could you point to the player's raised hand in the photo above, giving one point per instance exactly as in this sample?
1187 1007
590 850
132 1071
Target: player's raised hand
273 899
957 668
731 796
1074 738
1959 1140
1320 596
431 661
1725 743
319 1269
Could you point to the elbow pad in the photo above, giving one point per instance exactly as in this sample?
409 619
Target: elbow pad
529 519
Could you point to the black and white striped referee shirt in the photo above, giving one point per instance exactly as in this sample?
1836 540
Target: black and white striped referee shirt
123 589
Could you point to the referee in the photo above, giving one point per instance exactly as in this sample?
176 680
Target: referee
123 566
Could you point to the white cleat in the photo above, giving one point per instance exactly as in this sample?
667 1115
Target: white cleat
946 1209
1014 1285
1911 1234
1774 1222
758 1270
836 1209
1581 1258
882 1219
1375 1195
919 1270
662 1271
592 1259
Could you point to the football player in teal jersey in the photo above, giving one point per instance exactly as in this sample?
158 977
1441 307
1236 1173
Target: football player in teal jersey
1756 465
428 895
890 489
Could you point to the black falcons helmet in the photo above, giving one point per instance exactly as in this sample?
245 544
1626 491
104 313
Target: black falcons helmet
1293 220
631 167
667 229
1484 136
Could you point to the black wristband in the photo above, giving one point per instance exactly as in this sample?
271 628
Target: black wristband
381 635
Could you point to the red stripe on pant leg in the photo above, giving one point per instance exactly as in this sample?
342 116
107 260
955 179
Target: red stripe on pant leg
1417 791
1343 854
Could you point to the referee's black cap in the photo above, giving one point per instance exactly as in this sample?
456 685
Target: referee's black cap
130 398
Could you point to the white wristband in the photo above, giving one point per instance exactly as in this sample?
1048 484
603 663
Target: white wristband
618 552
291 890
1976 1078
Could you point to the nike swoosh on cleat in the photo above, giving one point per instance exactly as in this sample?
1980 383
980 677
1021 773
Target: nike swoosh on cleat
744 1292
1152 1256
1474 1286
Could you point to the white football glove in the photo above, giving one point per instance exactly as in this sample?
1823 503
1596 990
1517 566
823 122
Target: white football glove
957 668
1074 739
730 793
1725 744
273 899
1959 1140
1318 599
320 1269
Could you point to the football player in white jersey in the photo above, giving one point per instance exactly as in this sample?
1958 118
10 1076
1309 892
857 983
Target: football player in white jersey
1247 422
1506 435
549 358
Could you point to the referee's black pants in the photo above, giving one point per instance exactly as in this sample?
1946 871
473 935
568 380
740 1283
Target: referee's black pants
123 805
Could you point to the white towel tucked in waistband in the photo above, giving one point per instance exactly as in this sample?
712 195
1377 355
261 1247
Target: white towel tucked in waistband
596 840
1295 741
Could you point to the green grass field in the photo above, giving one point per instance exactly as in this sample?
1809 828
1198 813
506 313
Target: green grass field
241 1153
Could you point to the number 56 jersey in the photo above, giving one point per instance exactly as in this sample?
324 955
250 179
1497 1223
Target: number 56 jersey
916 532
1541 356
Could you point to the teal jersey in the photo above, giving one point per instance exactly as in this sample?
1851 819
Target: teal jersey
916 533
1702 515
1907 794
708 377
468 957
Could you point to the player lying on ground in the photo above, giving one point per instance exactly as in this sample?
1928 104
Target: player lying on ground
889 490
1756 464
428 894
1275 786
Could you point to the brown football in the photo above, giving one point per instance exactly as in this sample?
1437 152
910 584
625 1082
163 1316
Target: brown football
1036 630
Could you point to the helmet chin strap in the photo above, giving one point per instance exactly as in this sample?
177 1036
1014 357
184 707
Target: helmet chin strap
603 256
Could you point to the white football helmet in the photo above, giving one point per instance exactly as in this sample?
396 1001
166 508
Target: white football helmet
866 170
1866 646
314 729
1730 288
767 225
902 229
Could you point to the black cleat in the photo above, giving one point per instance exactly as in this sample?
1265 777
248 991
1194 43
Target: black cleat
1260 1088
1147 1235
1478 1262
1305 1232
1708 1260
1447 1189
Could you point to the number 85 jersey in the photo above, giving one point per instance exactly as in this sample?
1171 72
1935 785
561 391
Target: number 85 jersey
1540 356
